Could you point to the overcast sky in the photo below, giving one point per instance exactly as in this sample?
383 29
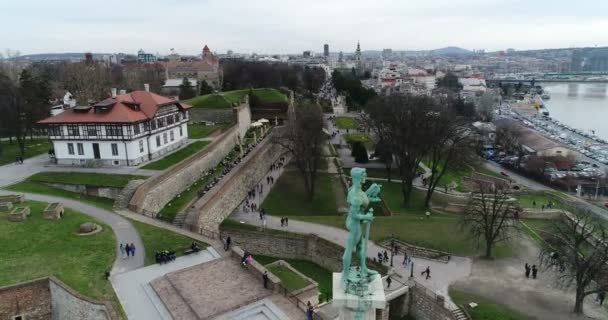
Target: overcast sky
291 26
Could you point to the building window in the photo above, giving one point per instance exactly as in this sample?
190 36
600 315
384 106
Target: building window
165 138
73 130
137 128
171 135
158 140
141 146
114 130
159 123
176 117
153 125
55 131
71 148
116 162
170 120
114 149
181 133
80 149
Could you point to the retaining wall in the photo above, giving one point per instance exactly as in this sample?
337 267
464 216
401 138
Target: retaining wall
50 299
212 115
157 191
209 211
104 192
427 306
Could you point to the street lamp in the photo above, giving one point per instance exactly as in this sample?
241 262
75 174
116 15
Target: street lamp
392 255
412 271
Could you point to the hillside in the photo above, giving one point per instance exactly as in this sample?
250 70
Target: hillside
223 100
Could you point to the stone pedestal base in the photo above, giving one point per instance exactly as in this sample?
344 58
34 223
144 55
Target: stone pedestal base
350 304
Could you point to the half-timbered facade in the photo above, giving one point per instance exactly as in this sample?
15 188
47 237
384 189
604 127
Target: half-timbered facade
124 130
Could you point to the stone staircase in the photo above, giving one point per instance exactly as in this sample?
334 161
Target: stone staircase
459 314
122 202
180 219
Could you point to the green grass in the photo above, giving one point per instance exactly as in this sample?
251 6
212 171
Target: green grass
391 193
35 187
487 309
439 232
157 239
346 123
38 248
32 148
486 171
198 131
288 196
354 137
223 100
176 156
310 269
290 280
85 178
527 200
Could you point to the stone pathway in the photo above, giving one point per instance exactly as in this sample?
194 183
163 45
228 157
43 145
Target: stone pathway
123 229
442 273
138 299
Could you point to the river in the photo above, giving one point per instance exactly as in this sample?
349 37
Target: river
580 105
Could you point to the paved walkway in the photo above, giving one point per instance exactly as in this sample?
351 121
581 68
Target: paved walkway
138 299
123 229
13 173
442 274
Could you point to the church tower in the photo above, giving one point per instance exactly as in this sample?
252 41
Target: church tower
358 60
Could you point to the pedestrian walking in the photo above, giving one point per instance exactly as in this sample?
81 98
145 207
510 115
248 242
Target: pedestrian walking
534 271
601 296
286 221
385 256
128 249
265 279
405 259
261 216
527 266
388 282
228 243
428 272
122 251
132 249
380 259
309 312
282 221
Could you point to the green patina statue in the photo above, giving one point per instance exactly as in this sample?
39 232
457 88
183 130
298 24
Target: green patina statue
358 224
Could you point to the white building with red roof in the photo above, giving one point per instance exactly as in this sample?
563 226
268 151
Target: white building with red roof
122 130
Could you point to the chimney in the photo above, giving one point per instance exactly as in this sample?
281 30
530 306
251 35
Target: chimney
147 87
123 91
113 92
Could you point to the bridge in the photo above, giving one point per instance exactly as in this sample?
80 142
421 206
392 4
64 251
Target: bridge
542 80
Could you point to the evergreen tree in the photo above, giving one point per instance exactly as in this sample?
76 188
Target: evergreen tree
359 152
186 91
205 88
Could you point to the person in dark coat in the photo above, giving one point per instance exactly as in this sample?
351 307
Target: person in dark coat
527 270
534 271
265 279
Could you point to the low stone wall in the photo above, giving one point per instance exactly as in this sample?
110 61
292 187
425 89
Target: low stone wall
157 191
289 246
256 269
425 305
50 299
209 211
103 192
416 251
67 304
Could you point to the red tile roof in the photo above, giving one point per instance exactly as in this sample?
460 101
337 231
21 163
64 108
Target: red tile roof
120 109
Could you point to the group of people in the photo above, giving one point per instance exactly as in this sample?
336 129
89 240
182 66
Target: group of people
127 250
164 256
284 221
534 270
277 165
247 259
548 205
19 160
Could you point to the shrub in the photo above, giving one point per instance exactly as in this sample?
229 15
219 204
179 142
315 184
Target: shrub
359 152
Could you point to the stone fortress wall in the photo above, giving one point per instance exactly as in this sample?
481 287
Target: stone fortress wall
210 210
50 299
151 196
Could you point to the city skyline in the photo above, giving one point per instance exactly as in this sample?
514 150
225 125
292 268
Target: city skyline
186 25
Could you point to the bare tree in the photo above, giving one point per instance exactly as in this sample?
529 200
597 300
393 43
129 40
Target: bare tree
404 121
508 137
304 138
87 81
578 246
490 217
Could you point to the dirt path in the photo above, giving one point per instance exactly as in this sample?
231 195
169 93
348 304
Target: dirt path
504 281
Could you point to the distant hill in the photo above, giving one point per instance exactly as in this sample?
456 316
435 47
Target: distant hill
56 56
452 51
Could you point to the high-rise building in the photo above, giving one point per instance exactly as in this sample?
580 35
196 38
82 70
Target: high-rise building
307 54
326 50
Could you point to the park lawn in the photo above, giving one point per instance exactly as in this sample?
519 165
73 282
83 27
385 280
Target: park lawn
198 131
487 309
223 100
288 197
38 248
36 187
290 280
32 148
391 193
156 239
354 137
176 156
310 269
346 123
527 200
85 178
439 233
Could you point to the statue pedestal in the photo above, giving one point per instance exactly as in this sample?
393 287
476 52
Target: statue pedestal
359 306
